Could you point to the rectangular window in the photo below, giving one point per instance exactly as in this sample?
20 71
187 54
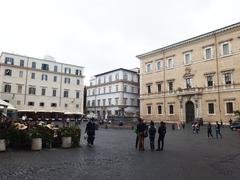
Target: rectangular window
132 102
9 60
67 80
188 82
78 81
7 88
132 89
170 86
116 88
44 77
225 48
170 63
18 102
104 90
228 78
33 65
43 91
65 93
99 81
53 104
159 65
110 78
45 67
171 109
149 90
67 70
55 68
41 104
110 89
88 103
210 81
98 102
125 88
32 90
208 53
78 72
187 58
149 67
159 86
54 78
77 95
104 102
99 90
109 101
30 103
8 72
19 89
104 79
116 76
124 101
65 105
32 75
54 93
210 108
159 109
229 107
20 74
149 109
116 101
21 62
125 76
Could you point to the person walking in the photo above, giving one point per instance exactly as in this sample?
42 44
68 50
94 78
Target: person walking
218 130
209 130
141 127
90 130
161 132
152 133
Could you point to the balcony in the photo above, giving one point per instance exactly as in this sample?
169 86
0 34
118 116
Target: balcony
189 91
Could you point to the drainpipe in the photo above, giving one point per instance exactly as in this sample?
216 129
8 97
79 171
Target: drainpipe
164 86
218 83
26 82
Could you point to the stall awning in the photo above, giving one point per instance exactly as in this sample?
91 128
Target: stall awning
7 105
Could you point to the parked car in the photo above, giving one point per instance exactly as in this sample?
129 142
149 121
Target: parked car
235 125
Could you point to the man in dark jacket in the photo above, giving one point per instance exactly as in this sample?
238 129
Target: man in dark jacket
141 127
152 133
161 131
90 130
209 130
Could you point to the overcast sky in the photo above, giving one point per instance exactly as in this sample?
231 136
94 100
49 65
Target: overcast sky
102 35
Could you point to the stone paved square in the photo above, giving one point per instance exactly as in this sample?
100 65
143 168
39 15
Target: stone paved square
186 156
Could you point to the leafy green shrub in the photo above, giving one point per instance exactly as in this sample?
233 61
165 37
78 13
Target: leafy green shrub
19 139
74 132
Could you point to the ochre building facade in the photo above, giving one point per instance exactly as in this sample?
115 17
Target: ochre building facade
198 78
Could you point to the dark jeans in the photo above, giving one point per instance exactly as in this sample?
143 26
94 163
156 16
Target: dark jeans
152 139
136 145
209 133
218 133
160 140
90 139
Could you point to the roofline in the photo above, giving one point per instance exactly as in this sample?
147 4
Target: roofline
40 59
115 70
211 33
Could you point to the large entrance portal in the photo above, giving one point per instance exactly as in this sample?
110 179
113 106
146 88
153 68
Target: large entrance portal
190 112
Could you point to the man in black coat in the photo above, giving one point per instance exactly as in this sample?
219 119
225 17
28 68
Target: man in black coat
161 131
90 130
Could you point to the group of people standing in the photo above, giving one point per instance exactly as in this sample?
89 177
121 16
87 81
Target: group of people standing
217 128
143 131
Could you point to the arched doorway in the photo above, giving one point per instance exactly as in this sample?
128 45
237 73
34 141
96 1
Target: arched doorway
190 111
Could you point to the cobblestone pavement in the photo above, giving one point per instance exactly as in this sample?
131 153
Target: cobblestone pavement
186 156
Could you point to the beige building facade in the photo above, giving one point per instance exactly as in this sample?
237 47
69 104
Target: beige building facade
198 78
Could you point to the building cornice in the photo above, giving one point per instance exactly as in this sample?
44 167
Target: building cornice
187 41
112 83
39 59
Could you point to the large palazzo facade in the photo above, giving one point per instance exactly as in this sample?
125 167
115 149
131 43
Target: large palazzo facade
192 79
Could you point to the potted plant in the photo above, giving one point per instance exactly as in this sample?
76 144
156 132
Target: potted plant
3 138
47 135
66 137
36 138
